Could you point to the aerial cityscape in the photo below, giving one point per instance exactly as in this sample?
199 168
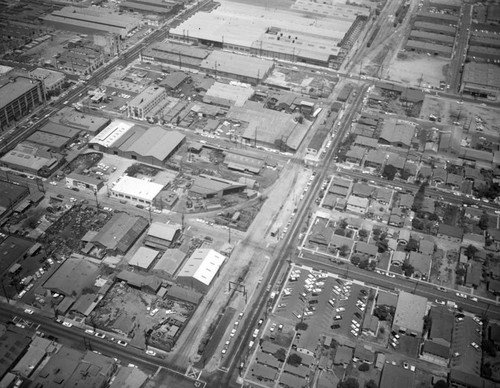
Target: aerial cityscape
250 193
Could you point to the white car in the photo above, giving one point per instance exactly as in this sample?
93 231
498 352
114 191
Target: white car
100 335
150 353
440 302
89 331
53 183
29 311
122 343
67 324
461 295
391 275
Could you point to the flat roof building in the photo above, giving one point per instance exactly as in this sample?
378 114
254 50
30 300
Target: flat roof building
31 158
169 263
159 7
18 96
52 80
137 190
143 258
241 67
436 28
207 186
142 104
91 20
70 118
72 277
410 312
431 48
201 269
161 235
85 182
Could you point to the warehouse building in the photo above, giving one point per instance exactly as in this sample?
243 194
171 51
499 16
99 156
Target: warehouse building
437 17
481 79
70 118
430 48
273 33
119 234
157 7
143 258
241 67
410 312
174 53
142 104
18 97
55 143
201 269
207 186
72 277
162 236
432 37
153 145
136 190
435 28
91 21
483 53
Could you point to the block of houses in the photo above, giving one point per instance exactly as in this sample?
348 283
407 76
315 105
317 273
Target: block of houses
450 233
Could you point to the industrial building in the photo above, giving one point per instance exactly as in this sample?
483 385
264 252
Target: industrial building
435 28
143 258
137 190
91 20
432 37
162 236
70 118
241 67
52 80
153 145
437 17
481 79
84 182
174 53
274 33
120 233
207 186
158 7
72 277
201 269
32 159
18 96
81 59
429 48
142 104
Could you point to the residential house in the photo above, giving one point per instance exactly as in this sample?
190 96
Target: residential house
420 263
474 274
472 174
439 175
375 158
383 195
366 249
370 325
355 155
362 190
363 354
404 236
476 240
396 133
406 201
396 218
428 206
436 353
343 355
398 258
357 204
396 160
366 142
424 172
454 181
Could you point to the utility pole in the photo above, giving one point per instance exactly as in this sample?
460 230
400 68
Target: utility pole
96 201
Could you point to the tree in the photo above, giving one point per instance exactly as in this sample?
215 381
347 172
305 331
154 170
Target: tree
294 359
489 347
363 233
412 245
280 354
364 367
382 245
483 221
371 384
407 269
344 249
355 260
389 172
376 232
301 326
417 224
351 382
343 224
470 251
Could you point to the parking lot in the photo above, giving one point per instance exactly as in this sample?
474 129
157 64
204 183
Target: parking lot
326 304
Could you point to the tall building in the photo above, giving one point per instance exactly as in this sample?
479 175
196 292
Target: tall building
145 102
18 97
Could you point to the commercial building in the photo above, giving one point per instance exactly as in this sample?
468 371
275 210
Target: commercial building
53 142
84 182
201 269
395 376
429 48
13 346
136 190
435 28
162 236
18 96
31 159
410 312
397 134
432 37
52 80
244 68
169 263
142 104
91 20
82 59
481 79
120 233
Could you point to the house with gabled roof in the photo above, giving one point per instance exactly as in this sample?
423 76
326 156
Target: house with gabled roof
439 175
454 181
406 201
362 190
375 158
355 155
450 233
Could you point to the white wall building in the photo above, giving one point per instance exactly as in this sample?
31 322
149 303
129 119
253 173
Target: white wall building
200 269
136 190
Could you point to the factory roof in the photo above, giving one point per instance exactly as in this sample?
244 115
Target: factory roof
450 30
72 277
482 74
395 132
155 142
416 44
31 156
48 139
432 36
203 265
120 232
95 15
60 130
110 134
170 261
69 117
138 188
227 94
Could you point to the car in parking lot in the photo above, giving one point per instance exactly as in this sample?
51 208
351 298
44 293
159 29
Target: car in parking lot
122 343
89 331
476 346
440 302
340 309
337 317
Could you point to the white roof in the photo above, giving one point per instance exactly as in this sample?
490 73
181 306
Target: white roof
138 188
143 257
112 133
163 231
203 265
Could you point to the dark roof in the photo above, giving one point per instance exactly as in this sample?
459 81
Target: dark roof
442 324
436 349
13 345
120 232
394 376
451 231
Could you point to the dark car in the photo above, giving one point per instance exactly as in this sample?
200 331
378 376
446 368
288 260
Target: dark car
334 327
